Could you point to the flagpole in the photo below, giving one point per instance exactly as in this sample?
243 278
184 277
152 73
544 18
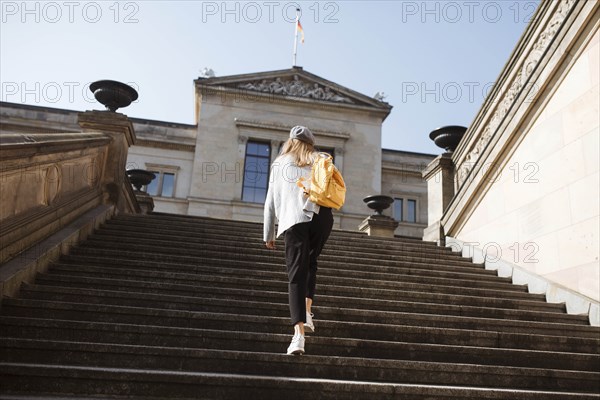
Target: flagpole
296 38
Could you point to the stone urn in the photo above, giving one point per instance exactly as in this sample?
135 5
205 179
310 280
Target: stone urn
448 137
112 94
139 178
378 203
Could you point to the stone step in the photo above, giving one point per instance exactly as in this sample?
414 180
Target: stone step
277 263
99 332
121 383
334 299
249 280
278 271
191 223
328 308
133 228
326 367
242 322
260 252
347 250
185 307
262 289
218 233
208 255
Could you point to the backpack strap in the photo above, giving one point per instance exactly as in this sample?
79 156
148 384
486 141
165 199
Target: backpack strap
325 155
301 185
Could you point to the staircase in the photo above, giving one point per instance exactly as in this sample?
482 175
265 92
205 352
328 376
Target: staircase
176 307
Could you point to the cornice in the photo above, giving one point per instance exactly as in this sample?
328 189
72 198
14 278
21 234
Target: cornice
546 49
513 85
286 128
244 95
165 145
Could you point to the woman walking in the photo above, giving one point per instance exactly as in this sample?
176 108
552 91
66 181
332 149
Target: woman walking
305 225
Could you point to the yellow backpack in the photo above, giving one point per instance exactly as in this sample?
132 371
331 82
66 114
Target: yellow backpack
327 187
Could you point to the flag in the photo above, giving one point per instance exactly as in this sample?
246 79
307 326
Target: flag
301 31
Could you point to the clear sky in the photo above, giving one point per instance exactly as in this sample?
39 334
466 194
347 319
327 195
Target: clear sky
435 60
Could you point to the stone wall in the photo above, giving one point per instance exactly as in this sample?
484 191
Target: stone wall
401 178
57 187
528 177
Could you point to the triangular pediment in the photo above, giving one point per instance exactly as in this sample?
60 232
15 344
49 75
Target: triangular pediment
295 83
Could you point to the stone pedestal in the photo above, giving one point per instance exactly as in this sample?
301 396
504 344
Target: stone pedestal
379 225
120 130
439 175
145 202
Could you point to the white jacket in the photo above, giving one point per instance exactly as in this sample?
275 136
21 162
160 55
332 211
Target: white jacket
285 200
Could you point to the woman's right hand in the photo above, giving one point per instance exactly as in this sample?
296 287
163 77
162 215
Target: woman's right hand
270 244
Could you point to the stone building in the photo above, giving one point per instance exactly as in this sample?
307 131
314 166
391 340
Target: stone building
520 192
219 166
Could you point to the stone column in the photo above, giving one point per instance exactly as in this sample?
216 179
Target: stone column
339 158
275 144
239 167
120 130
439 175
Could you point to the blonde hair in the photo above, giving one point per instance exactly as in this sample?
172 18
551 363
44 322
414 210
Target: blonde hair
302 153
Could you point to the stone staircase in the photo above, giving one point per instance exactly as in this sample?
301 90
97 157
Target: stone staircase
176 307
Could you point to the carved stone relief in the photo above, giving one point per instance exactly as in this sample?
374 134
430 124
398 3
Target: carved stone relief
505 100
296 87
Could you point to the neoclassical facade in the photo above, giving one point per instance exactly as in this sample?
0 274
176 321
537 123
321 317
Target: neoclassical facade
219 166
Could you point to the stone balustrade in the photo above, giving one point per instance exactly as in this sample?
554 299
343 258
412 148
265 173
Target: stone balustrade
50 181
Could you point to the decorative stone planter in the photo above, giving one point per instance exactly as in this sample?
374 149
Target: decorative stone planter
378 224
448 137
139 178
378 203
112 94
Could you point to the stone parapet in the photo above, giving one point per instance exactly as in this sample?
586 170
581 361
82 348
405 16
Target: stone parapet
48 180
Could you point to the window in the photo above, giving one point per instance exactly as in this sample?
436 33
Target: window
398 204
405 210
256 172
411 211
152 187
163 185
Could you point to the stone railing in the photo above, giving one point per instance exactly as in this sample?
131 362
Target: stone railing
49 181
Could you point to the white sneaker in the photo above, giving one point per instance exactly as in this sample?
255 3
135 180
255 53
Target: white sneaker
297 345
309 325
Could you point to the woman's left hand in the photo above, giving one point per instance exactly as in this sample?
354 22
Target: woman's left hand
270 244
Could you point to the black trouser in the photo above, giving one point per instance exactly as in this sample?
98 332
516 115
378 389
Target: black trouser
303 244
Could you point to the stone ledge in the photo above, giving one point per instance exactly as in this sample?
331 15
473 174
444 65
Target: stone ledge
25 266
576 303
